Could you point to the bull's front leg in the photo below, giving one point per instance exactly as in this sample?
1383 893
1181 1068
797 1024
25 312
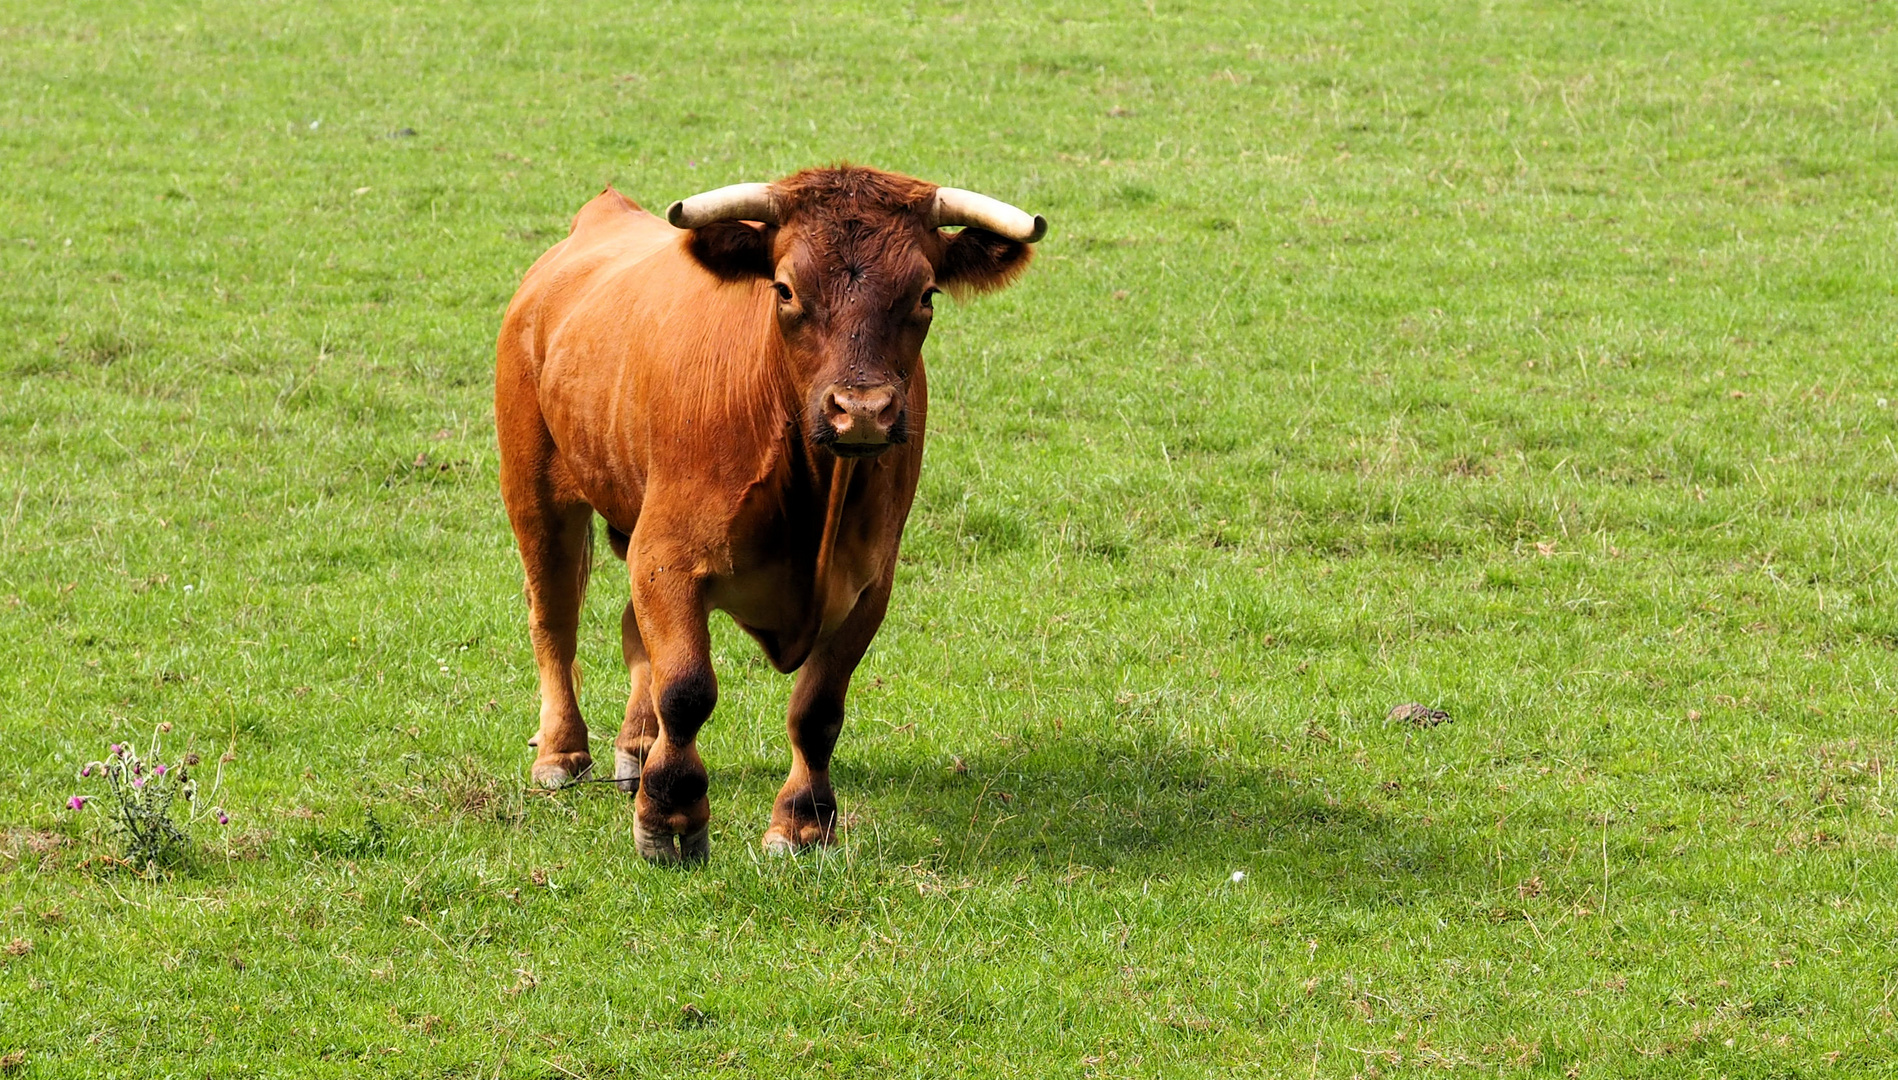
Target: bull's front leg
671 814
805 813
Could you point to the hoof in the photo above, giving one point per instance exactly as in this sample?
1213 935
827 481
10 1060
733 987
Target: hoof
663 846
559 770
791 839
626 769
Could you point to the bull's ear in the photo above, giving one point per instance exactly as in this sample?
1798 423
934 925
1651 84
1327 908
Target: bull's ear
734 250
979 261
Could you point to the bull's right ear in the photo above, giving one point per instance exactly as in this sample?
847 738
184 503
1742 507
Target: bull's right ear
733 250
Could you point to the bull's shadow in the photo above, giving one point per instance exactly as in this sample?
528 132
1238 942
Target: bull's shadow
1114 804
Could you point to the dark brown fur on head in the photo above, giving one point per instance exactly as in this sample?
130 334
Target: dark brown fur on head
856 222
851 193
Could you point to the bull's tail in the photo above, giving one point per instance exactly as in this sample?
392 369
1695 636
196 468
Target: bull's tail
585 570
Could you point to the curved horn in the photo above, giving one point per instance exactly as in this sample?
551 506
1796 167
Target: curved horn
739 202
955 206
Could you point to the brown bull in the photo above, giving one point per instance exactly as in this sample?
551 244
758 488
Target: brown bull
742 399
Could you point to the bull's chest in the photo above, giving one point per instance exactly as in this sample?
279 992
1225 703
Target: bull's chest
797 577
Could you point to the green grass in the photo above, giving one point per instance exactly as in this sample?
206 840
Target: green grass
1530 359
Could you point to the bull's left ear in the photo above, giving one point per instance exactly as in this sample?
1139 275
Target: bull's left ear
733 250
979 261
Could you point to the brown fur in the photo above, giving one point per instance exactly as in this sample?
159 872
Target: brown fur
656 378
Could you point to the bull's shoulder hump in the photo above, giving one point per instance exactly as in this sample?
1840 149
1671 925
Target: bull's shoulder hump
612 231
612 212
599 248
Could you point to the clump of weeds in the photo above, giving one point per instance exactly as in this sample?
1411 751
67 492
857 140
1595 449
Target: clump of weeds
151 805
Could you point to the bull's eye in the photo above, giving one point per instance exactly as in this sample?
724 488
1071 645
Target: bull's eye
784 291
928 302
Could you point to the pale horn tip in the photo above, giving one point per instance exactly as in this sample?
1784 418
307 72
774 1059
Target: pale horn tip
675 214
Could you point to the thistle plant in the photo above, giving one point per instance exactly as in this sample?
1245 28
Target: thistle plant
143 800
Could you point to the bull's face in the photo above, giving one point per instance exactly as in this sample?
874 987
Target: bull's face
851 261
853 318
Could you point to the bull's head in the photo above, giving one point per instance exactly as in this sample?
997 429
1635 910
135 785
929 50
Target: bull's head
852 259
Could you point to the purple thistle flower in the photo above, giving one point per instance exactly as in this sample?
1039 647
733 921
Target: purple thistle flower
139 769
117 750
140 782
77 802
223 818
160 771
85 771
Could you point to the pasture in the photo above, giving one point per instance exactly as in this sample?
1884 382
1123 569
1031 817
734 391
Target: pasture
1532 360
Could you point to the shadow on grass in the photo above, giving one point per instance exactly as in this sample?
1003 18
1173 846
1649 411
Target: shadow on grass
1169 811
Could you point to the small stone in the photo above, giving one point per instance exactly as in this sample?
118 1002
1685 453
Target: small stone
1417 715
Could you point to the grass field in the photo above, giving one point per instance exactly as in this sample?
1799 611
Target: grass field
1533 360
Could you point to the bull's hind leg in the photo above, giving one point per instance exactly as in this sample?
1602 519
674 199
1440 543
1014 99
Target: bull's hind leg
671 814
805 813
555 550
641 729
554 528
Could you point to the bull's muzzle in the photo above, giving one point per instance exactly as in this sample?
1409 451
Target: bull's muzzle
863 420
